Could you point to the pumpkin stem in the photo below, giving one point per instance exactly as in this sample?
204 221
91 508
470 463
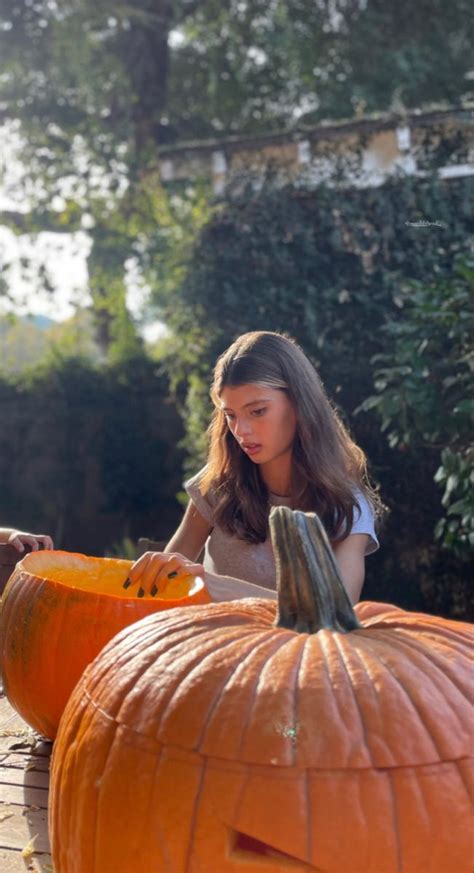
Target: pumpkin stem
311 593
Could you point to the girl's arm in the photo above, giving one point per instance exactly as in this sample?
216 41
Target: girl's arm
191 535
189 540
350 558
230 588
181 553
20 538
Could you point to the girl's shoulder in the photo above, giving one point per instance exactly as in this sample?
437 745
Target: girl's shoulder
364 520
204 503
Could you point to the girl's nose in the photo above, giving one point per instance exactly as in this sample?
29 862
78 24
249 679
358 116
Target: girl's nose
242 428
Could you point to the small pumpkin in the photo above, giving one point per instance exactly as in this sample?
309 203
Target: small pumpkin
240 736
58 611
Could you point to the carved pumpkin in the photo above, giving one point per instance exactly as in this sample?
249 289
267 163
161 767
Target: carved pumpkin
240 736
58 611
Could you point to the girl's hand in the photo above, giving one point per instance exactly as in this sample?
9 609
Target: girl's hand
19 539
154 569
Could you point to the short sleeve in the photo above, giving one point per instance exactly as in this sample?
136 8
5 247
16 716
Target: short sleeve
364 522
203 503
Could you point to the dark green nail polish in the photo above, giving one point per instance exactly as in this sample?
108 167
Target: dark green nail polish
173 574
154 591
127 583
140 592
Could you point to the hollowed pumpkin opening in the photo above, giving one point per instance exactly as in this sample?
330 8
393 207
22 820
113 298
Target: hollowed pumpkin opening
103 576
243 847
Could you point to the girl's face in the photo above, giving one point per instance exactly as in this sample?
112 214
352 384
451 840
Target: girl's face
262 420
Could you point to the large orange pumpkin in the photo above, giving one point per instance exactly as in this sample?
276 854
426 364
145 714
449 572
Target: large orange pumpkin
236 737
58 611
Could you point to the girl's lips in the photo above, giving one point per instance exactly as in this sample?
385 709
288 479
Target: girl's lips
251 449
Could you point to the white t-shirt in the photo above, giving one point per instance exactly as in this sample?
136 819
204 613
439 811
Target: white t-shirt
227 555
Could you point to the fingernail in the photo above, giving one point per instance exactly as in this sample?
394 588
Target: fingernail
154 591
127 583
140 592
173 574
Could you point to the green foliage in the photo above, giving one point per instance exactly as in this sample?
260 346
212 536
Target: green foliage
22 344
187 69
327 266
125 548
176 218
258 66
456 474
424 389
89 453
192 69
332 267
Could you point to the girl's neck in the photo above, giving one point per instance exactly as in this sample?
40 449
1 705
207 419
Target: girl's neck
278 475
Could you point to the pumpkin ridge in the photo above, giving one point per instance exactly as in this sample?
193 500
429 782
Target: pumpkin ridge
248 689
180 675
52 645
350 684
23 660
99 793
443 665
194 815
395 823
157 822
198 617
362 654
163 727
76 751
436 659
466 778
261 739
297 691
58 783
219 697
461 647
325 642
139 637
413 706
457 631
289 640
8 609
373 611
309 818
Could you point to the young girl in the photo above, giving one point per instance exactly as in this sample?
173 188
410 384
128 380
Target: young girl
275 439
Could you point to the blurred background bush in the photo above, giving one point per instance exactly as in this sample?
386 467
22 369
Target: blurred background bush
285 166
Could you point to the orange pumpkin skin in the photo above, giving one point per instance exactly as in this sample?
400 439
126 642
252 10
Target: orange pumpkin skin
58 611
210 740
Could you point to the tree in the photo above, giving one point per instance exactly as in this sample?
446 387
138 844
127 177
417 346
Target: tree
95 87
332 267
89 453
424 394
325 265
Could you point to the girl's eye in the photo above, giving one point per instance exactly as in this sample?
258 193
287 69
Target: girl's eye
259 412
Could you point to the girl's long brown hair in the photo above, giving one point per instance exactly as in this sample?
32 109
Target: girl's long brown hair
324 455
